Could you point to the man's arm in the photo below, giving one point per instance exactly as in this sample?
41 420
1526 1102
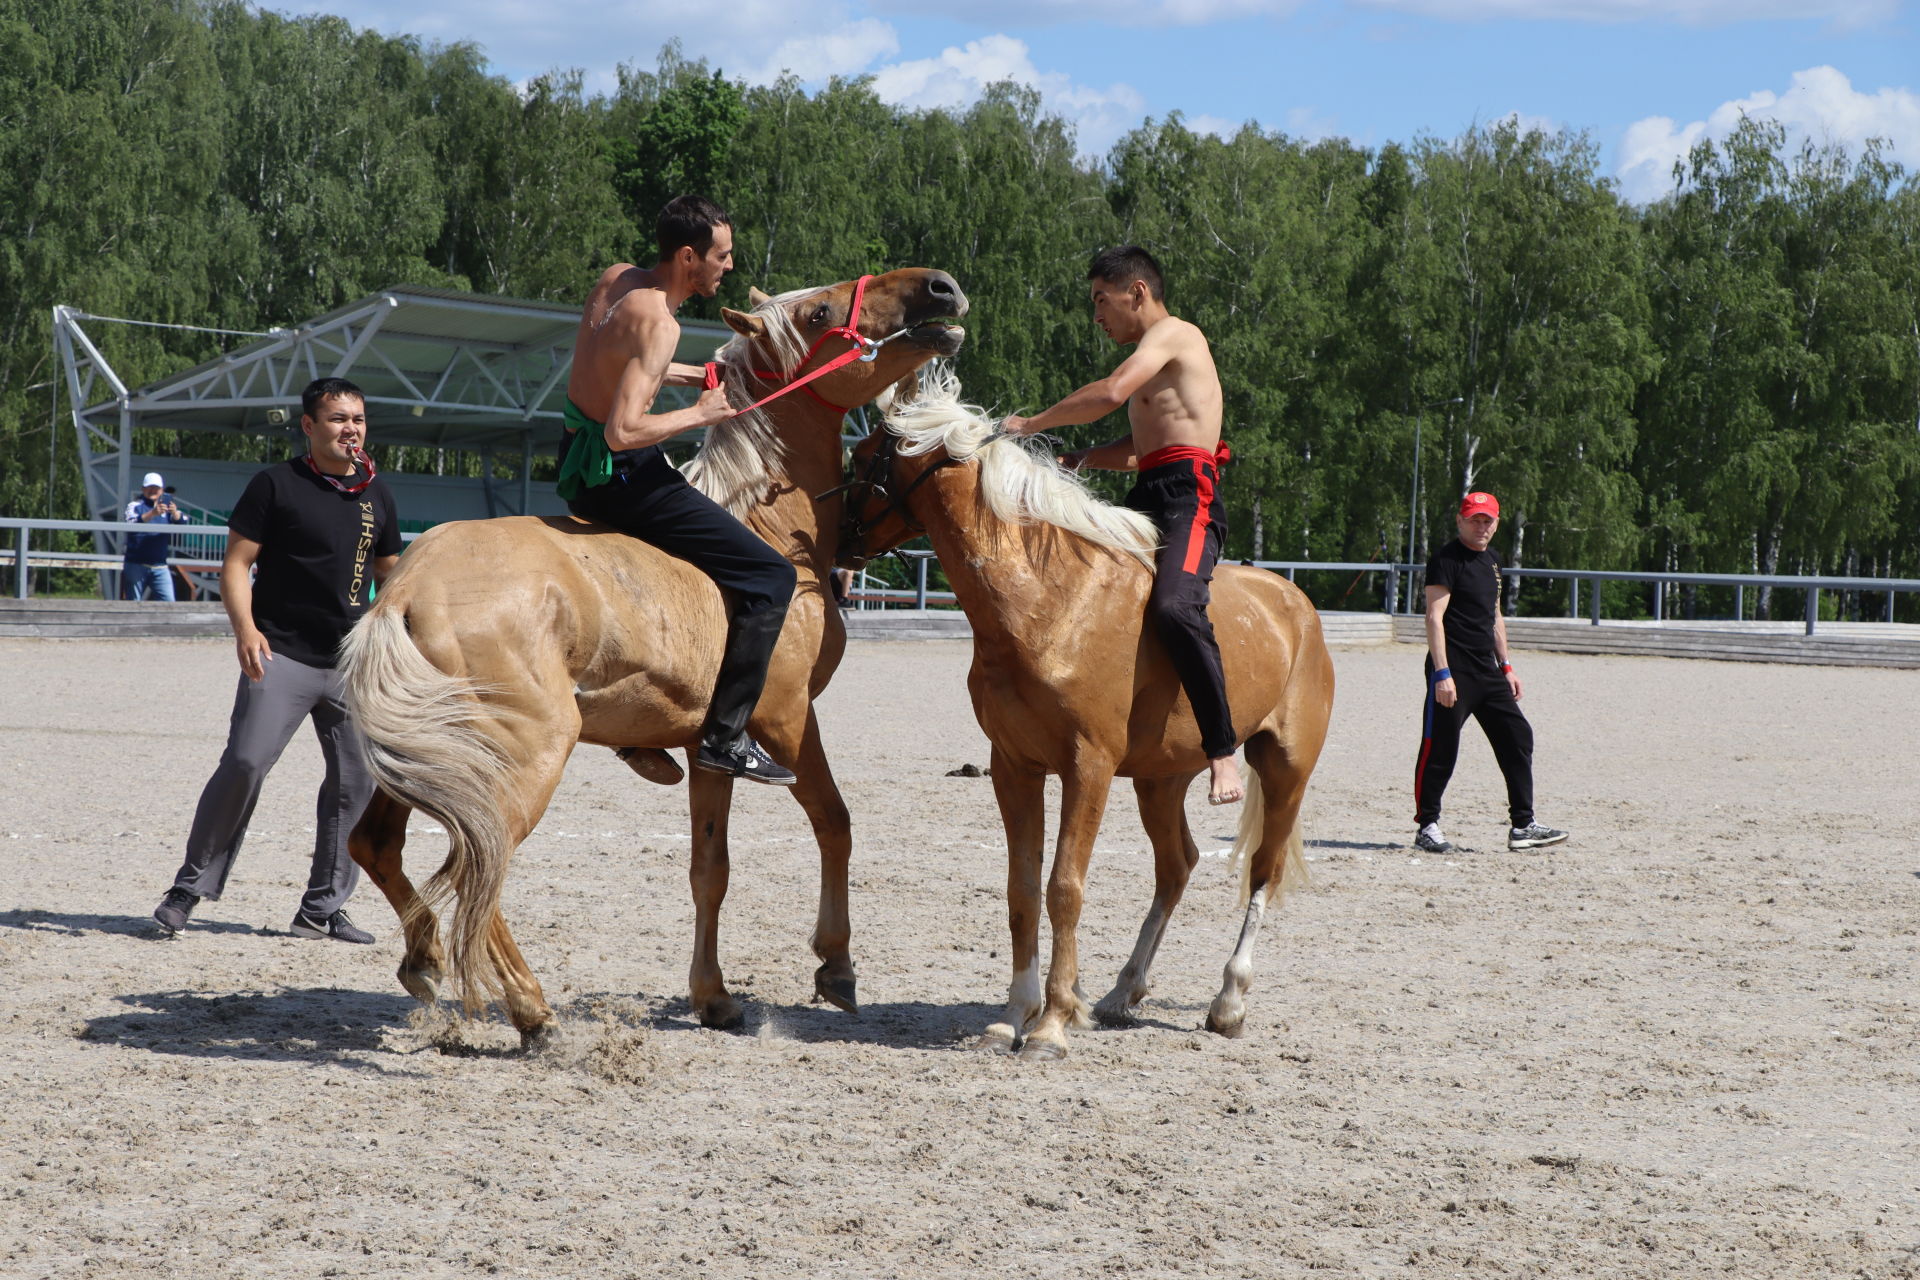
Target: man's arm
1114 455
629 424
1500 649
1445 692
382 566
236 593
685 375
1098 399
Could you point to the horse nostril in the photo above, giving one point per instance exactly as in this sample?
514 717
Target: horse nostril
943 287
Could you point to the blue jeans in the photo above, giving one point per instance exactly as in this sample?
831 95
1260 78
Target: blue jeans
146 582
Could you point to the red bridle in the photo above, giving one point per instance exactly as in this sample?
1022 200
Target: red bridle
864 349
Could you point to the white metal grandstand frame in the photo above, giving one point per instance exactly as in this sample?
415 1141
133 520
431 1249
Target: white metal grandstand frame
439 368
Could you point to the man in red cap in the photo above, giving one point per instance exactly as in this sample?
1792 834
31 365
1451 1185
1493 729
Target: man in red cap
1468 675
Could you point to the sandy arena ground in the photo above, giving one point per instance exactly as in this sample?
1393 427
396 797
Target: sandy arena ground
1682 1045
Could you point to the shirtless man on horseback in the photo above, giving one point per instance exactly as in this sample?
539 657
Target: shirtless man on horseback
1173 400
614 472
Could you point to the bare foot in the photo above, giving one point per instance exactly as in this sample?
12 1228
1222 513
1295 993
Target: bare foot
1226 781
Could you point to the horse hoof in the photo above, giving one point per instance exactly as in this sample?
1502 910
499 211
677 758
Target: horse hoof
653 764
995 1039
1232 1028
1112 1013
838 992
422 984
1042 1051
540 1038
723 1015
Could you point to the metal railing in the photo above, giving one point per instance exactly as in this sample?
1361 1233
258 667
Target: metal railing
210 541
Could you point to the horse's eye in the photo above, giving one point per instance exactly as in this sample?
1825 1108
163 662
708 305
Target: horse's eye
819 314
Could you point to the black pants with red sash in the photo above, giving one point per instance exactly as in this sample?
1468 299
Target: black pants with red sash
1177 490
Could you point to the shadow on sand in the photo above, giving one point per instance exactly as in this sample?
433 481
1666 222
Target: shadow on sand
76 924
310 1025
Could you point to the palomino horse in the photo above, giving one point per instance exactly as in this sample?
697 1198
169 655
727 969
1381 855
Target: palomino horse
1066 680
499 644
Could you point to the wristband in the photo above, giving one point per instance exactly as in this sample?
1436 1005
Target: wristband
1444 673
1507 667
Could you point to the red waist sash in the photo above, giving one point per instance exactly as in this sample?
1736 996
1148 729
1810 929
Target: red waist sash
1185 453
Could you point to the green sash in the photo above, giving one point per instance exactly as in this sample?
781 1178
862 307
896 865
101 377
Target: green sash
588 463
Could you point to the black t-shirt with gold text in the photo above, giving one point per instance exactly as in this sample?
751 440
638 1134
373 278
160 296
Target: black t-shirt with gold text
314 577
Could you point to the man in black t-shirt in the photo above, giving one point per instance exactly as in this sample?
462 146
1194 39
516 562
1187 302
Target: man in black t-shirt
320 530
1468 675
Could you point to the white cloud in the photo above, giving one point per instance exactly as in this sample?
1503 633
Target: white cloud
957 75
848 51
1126 13
1218 126
1821 104
1705 13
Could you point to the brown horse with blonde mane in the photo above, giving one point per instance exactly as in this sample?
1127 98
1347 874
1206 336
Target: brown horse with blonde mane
497 645
1067 680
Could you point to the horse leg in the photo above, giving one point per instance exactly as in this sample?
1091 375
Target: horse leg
1163 813
1083 801
528 790
1274 860
711 796
1021 793
820 797
376 843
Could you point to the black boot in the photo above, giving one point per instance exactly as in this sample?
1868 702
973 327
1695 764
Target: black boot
724 744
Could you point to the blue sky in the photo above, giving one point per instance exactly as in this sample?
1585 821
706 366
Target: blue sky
1644 77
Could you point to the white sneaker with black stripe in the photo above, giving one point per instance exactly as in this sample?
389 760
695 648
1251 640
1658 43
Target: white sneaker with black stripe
1533 836
1429 839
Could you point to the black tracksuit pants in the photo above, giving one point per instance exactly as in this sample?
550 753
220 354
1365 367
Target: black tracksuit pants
1488 699
1180 498
651 500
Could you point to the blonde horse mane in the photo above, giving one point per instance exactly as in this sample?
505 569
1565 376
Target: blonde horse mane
738 459
1021 485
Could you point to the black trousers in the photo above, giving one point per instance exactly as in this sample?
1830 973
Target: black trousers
1488 699
651 500
1180 497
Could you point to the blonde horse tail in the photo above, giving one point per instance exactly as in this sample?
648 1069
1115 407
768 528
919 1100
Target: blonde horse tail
1253 822
425 747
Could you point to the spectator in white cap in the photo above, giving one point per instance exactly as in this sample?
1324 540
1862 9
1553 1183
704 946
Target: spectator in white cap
144 574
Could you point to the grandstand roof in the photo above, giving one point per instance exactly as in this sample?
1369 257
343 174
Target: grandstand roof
439 368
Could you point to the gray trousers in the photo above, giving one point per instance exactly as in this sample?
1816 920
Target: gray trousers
265 716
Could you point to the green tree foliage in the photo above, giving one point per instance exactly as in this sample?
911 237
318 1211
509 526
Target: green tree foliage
1725 380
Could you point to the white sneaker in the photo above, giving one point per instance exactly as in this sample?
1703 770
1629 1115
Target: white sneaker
1533 836
1429 839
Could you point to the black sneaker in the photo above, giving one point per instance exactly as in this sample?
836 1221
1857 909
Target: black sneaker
1533 836
174 909
335 926
746 760
1429 839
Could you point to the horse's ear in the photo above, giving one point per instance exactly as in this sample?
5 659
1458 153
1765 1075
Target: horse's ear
907 389
757 297
743 323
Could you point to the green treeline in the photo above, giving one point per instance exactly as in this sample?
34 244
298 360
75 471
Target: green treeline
1725 381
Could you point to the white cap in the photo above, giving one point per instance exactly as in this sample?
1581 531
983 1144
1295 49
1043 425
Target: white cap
153 481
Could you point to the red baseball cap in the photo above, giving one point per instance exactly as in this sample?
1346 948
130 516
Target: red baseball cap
1477 503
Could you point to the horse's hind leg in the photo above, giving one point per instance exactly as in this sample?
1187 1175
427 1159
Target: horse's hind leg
376 844
1275 859
1163 813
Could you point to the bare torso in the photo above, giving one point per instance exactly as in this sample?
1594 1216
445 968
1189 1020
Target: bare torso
1179 404
621 321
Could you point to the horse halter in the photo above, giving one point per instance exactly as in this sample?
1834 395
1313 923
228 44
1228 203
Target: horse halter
878 480
865 350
